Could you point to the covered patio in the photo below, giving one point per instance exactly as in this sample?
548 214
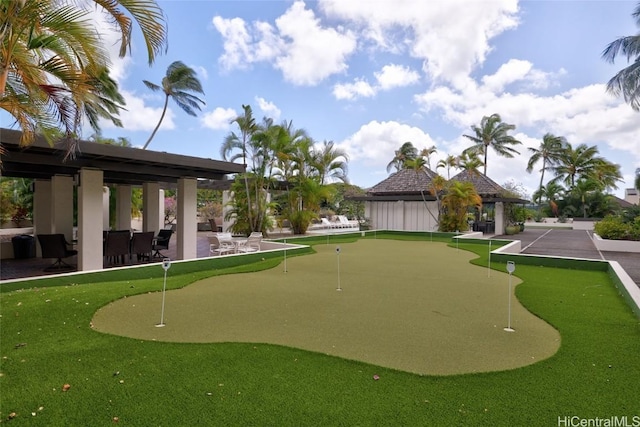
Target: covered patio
56 179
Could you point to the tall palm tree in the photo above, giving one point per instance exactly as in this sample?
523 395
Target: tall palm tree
177 84
448 162
573 163
248 128
549 152
330 162
492 133
406 152
627 80
637 180
427 152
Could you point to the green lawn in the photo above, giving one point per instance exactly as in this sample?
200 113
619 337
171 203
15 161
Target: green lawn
47 341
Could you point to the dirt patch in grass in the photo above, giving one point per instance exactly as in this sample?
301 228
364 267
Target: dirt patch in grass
414 306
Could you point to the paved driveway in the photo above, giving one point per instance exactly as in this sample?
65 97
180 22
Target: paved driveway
575 244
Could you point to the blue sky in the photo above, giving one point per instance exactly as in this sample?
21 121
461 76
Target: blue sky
372 74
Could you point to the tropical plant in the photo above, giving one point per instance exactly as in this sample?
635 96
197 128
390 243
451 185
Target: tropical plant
492 133
427 152
637 179
327 162
549 152
459 197
583 162
448 162
551 193
53 64
627 80
178 84
406 152
469 161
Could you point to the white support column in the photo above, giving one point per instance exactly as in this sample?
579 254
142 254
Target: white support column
62 205
123 207
41 210
226 197
151 213
187 232
90 254
106 192
499 218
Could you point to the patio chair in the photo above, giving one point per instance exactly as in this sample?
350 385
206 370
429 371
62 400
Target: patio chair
252 244
214 227
161 242
142 245
326 223
345 223
56 246
220 247
117 246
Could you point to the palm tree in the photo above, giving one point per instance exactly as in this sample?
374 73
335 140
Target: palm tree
469 161
326 161
53 63
549 152
573 163
551 193
627 80
448 162
177 84
637 180
406 152
461 195
494 133
427 152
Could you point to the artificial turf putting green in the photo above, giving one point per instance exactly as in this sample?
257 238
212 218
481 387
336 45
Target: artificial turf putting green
415 306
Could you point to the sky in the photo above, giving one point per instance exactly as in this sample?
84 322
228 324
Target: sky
373 74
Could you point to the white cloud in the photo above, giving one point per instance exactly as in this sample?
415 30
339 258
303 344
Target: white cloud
201 72
392 76
376 142
219 119
299 46
268 108
430 30
139 116
237 42
359 88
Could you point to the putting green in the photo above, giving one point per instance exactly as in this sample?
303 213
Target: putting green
415 306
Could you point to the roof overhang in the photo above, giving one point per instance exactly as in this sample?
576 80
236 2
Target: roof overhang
121 165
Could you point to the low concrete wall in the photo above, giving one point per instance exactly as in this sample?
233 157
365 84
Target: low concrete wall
510 248
607 245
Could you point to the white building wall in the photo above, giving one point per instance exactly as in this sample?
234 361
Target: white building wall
123 207
402 215
41 210
62 205
152 214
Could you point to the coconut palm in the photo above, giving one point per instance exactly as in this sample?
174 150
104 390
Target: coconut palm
627 80
427 152
549 152
406 152
177 84
53 63
448 162
492 133
551 193
637 180
573 163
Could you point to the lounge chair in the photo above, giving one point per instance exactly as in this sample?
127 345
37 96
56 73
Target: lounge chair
345 223
252 244
161 243
220 247
56 246
327 224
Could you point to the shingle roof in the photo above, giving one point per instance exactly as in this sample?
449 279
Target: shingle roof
484 186
405 181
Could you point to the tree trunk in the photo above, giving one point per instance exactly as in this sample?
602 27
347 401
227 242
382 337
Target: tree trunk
164 110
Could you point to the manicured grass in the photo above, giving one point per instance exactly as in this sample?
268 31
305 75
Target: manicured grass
594 374
444 321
